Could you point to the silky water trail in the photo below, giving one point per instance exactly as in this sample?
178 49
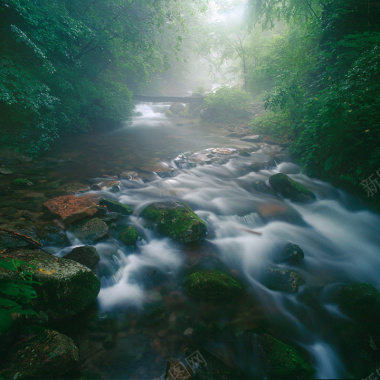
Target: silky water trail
144 317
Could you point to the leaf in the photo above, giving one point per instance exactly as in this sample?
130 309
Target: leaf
7 303
5 320
7 265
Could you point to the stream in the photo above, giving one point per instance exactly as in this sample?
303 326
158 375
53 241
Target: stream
143 317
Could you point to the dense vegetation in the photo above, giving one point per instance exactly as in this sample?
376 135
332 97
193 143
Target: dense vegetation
322 79
68 65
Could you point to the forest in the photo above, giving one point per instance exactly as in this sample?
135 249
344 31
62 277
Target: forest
82 160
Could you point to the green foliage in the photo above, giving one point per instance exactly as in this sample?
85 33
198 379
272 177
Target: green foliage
226 104
325 74
67 65
15 296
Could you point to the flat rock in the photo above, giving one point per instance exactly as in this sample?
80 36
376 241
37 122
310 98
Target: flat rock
91 231
70 208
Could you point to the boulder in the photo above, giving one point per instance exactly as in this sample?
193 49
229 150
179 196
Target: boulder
212 285
291 189
361 301
279 211
115 206
281 361
283 280
262 187
91 231
128 235
257 166
66 287
176 220
70 208
41 353
85 255
290 254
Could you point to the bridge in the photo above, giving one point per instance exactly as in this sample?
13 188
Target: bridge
169 99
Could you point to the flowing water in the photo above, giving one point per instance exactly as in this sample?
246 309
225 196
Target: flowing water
144 317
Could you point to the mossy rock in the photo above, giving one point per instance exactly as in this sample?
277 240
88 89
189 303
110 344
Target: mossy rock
282 361
291 189
290 254
91 231
116 206
41 353
361 302
212 285
128 235
176 220
85 255
21 182
66 287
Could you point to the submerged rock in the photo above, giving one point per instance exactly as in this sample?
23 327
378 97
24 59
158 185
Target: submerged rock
291 189
176 220
115 206
41 353
281 361
85 255
91 231
66 287
71 208
290 253
212 285
283 280
279 211
361 302
127 235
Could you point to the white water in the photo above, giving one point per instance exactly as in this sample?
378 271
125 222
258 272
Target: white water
340 245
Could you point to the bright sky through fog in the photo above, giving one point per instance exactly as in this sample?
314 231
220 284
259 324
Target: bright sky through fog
234 15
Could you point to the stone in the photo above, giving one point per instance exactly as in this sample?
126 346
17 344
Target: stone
289 254
66 287
115 206
280 360
257 166
283 280
176 220
21 183
41 353
70 208
279 211
252 138
290 189
128 235
91 231
212 285
85 255
262 187
361 301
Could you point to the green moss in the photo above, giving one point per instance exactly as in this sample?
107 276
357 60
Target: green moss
128 235
116 206
176 220
22 182
212 285
291 189
283 361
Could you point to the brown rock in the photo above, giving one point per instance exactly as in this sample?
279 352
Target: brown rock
71 208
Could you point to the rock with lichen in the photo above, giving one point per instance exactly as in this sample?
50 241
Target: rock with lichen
283 280
64 287
175 220
115 206
290 189
212 285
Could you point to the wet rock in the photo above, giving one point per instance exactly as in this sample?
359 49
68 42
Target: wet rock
257 166
291 189
176 220
6 171
115 189
278 211
9 157
283 280
164 172
281 361
244 153
115 206
223 151
184 162
252 138
9 241
41 353
66 287
70 208
21 183
290 254
111 217
52 235
361 301
91 231
262 187
85 255
127 235
212 285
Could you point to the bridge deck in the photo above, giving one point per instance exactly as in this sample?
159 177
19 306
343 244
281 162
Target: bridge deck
169 99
